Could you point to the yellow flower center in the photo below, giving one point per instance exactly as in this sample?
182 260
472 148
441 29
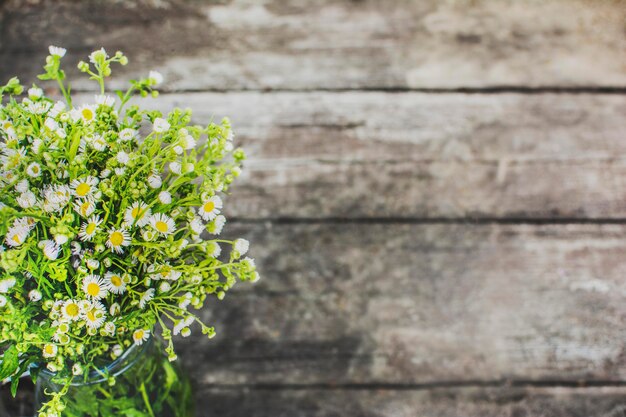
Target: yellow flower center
72 310
139 334
83 189
209 206
135 212
91 315
161 226
87 114
35 169
84 208
7 126
116 280
91 228
116 238
16 238
49 349
93 289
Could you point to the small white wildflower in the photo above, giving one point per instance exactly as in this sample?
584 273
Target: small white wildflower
33 170
155 77
122 157
241 246
127 134
57 51
154 181
35 93
105 100
34 295
176 167
165 197
160 125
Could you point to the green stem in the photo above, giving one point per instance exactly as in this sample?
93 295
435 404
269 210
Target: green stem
146 400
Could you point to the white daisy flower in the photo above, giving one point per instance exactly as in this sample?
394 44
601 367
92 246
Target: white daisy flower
16 235
89 229
122 157
50 350
127 134
57 51
109 328
84 187
85 207
120 171
210 208
3 301
140 336
115 309
138 213
95 287
100 54
241 246
106 173
188 321
154 181
187 142
22 186
34 295
196 225
160 125
145 298
61 239
71 310
6 284
36 146
213 249
218 225
116 283
165 286
93 264
87 113
77 369
163 224
105 100
155 77
50 249
27 199
98 143
118 239
35 93
117 351
58 107
95 315
178 149
176 167
165 197
33 170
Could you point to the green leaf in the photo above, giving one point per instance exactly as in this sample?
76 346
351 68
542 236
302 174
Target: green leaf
14 383
10 362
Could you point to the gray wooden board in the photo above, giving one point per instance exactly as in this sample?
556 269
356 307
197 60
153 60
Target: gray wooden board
416 155
442 402
332 44
420 303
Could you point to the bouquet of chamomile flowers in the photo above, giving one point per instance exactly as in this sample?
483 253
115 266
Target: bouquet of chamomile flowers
109 222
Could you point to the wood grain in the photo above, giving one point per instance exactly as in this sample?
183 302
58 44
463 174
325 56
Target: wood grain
414 155
419 304
332 44
466 402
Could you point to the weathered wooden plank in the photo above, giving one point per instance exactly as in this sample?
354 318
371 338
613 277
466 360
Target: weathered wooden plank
332 44
413 304
466 402
411 155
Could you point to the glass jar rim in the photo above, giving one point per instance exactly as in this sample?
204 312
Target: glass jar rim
114 368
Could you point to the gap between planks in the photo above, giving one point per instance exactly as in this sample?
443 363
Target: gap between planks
422 387
488 90
431 220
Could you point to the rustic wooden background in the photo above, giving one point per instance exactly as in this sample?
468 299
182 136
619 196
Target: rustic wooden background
436 195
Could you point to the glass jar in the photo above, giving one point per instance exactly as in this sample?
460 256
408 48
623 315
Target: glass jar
140 383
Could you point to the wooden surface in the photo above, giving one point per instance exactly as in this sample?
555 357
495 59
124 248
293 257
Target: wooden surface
435 194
